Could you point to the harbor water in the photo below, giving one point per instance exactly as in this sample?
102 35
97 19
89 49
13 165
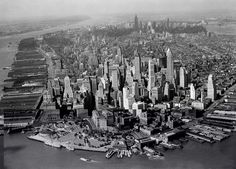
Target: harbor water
20 152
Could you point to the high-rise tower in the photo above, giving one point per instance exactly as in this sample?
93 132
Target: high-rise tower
192 92
211 88
68 93
170 66
151 75
137 64
136 22
183 77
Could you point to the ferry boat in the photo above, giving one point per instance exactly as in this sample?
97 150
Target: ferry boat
110 153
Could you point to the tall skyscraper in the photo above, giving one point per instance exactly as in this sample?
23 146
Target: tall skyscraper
202 95
136 26
135 89
125 98
151 75
192 92
115 79
100 91
211 88
137 65
170 66
93 81
167 91
183 77
106 69
129 78
68 93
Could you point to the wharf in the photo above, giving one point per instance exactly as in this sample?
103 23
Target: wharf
27 78
198 136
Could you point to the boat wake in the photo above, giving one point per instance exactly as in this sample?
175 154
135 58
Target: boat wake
88 160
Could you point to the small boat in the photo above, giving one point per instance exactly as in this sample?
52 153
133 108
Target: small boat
85 159
7 68
110 154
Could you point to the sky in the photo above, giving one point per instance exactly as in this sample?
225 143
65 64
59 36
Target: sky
15 9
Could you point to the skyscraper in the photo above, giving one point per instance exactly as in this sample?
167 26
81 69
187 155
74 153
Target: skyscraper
211 88
170 66
137 64
125 98
136 22
68 93
135 89
129 78
167 91
183 77
115 79
192 92
106 69
151 75
93 81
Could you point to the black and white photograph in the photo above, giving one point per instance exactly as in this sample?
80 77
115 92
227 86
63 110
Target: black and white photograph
117 84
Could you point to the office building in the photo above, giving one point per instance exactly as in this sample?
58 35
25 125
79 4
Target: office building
151 75
170 66
211 88
68 93
192 92
183 77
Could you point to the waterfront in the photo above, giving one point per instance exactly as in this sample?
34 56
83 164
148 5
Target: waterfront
7 52
28 154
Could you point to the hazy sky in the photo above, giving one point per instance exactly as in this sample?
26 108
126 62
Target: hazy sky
13 9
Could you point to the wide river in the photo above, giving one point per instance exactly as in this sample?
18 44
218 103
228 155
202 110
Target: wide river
22 153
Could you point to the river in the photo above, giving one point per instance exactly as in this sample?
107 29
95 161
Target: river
22 153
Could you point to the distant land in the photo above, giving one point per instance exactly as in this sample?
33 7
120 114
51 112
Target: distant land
24 26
